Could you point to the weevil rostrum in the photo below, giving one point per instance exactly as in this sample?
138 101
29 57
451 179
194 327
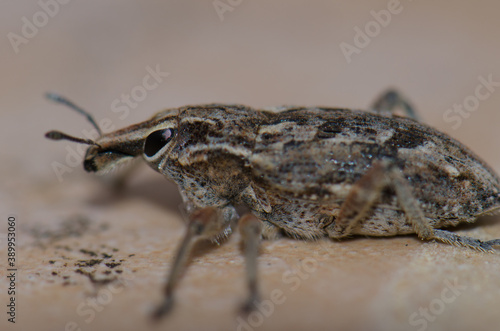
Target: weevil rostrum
304 173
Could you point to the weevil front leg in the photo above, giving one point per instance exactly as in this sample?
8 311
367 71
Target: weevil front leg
251 228
365 194
205 223
390 101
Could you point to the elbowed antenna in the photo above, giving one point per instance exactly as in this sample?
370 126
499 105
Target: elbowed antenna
57 135
57 98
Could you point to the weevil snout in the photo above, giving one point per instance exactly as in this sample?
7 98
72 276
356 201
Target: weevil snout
148 138
97 159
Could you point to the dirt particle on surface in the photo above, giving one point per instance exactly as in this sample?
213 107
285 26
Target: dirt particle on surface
113 264
88 263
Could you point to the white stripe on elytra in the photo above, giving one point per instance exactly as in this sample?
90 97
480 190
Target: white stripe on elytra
186 157
194 119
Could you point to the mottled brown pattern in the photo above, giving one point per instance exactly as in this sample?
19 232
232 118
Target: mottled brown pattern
302 162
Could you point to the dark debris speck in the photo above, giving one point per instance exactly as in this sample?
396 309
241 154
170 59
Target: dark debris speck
112 264
88 263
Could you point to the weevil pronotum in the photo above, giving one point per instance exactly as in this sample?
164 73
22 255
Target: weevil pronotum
304 173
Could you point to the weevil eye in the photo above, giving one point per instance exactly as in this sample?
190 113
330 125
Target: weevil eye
156 140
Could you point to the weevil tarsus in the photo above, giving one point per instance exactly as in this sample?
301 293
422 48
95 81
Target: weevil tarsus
465 241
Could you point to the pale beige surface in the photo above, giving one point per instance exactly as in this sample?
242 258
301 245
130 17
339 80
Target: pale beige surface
264 53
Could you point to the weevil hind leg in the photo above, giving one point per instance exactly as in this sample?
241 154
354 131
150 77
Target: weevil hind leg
205 223
251 229
391 100
365 194
360 200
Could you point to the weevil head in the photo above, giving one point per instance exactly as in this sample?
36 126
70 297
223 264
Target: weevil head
150 139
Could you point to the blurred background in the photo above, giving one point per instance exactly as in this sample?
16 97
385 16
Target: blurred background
125 60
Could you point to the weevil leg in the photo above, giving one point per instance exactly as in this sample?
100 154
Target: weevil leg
454 239
251 228
390 101
361 198
365 194
421 225
205 223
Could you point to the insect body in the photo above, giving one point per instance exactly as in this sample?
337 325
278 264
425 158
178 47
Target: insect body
305 173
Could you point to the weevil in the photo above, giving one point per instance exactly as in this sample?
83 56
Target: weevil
304 173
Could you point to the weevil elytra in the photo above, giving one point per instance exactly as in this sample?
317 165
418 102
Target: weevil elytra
304 173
